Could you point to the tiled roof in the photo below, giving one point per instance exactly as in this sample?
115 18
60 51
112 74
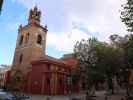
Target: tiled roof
67 56
50 59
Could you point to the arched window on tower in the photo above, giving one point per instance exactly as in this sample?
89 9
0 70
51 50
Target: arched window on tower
21 58
21 40
39 39
27 38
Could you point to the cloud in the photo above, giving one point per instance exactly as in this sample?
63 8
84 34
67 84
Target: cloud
102 16
99 18
66 41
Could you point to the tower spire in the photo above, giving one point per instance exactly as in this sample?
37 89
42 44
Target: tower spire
34 15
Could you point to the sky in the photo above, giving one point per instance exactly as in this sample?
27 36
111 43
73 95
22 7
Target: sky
68 21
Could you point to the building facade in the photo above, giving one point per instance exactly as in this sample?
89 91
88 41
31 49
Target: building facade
3 74
49 76
43 74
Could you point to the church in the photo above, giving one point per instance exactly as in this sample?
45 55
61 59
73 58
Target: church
43 74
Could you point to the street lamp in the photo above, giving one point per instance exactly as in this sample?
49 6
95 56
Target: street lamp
126 78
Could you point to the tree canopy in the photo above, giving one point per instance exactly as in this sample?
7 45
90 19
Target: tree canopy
127 15
97 60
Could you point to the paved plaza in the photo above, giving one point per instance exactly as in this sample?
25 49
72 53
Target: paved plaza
100 95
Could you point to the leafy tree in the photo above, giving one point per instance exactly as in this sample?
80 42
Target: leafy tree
109 61
117 41
97 60
128 48
127 15
86 55
126 45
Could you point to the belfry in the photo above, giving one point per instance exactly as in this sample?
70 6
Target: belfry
31 42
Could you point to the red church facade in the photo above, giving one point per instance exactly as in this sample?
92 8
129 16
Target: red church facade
43 74
49 76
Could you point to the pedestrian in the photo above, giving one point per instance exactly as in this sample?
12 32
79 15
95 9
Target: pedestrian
122 99
106 98
87 95
48 98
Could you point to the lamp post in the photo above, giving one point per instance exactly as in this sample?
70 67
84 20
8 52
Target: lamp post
70 84
127 81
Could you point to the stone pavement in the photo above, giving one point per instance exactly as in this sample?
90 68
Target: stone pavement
110 97
100 95
41 97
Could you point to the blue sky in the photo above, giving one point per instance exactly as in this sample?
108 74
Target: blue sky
9 22
68 21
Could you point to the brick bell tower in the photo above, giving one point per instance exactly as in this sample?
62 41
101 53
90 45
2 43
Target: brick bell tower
31 42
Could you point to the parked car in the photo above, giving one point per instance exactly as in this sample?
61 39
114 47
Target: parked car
129 98
23 97
9 96
1 90
6 96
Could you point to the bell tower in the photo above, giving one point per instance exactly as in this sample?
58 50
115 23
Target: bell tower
31 42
